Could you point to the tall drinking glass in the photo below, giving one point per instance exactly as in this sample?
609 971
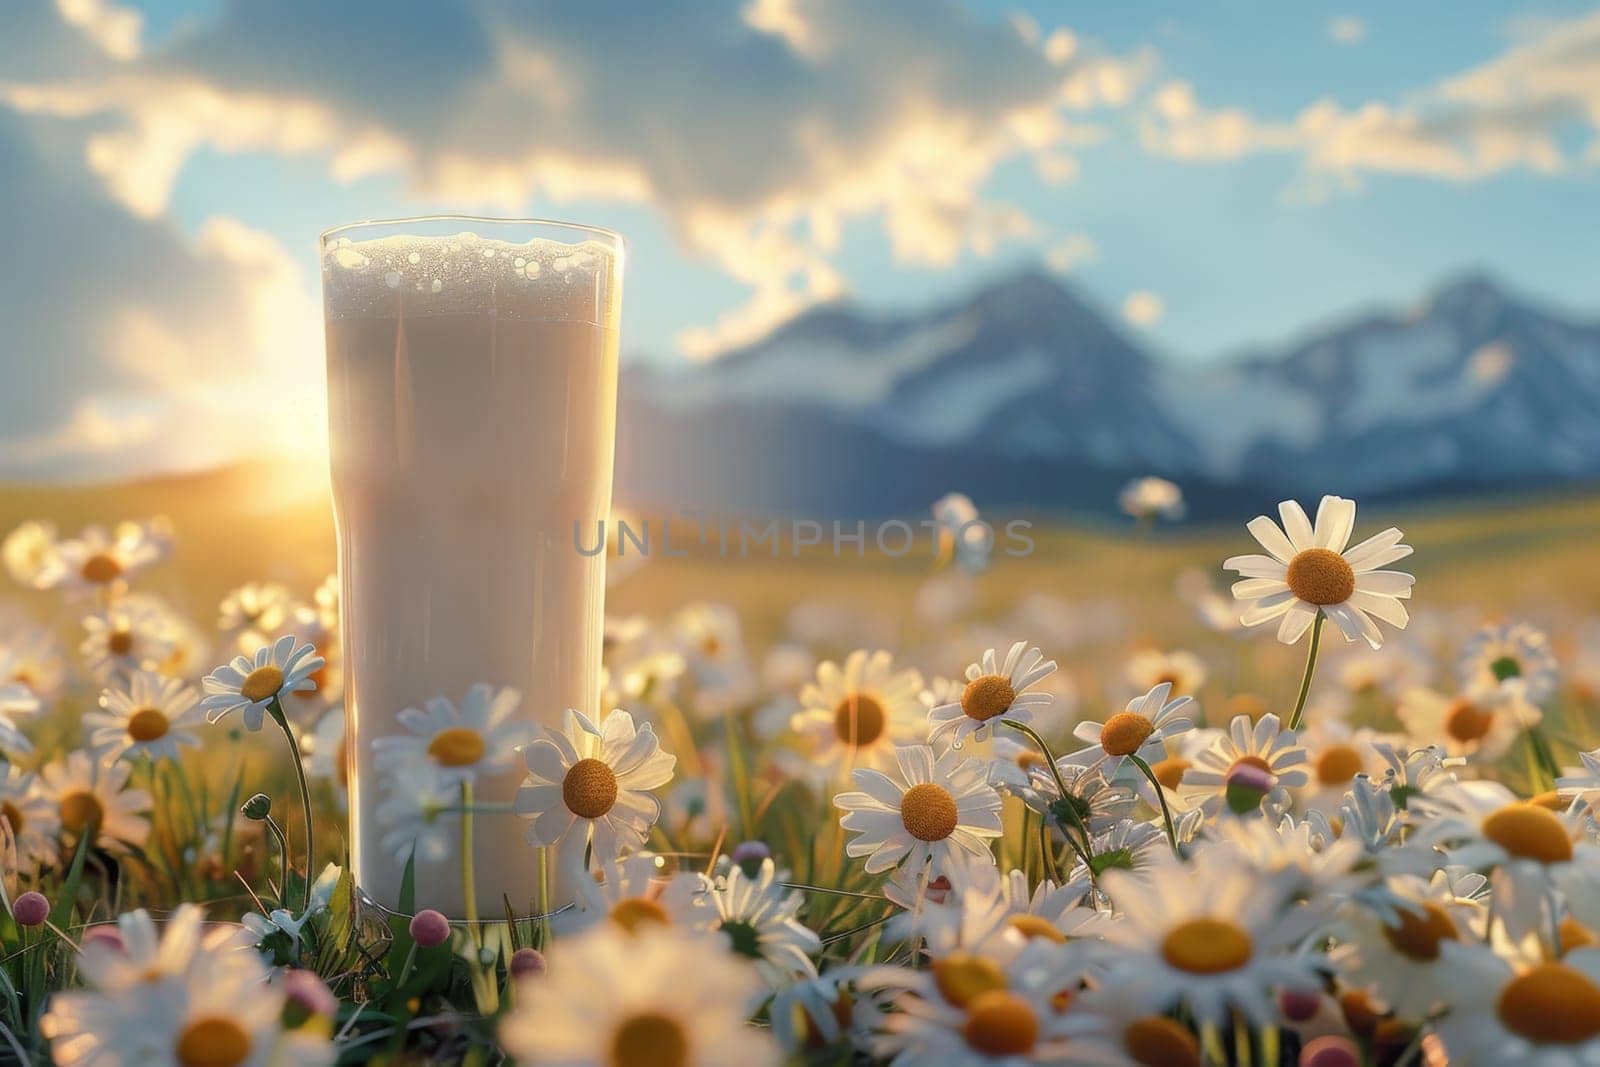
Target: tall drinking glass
472 377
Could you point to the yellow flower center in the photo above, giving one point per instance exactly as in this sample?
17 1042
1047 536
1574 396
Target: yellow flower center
1551 1004
148 724
1573 934
1337 765
1032 926
589 788
1157 1041
81 810
650 1039
1169 772
1419 935
1464 722
1320 576
456 746
634 912
213 1041
1124 732
928 812
120 642
961 977
859 719
101 568
1000 1024
1207 946
988 696
1529 832
13 815
262 684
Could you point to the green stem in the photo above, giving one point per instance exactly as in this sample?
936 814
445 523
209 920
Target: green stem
1061 784
469 887
1161 796
282 842
1311 668
276 708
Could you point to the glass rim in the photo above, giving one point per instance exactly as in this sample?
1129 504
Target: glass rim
343 229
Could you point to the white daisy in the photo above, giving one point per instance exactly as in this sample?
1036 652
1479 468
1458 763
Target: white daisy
1092 799
634 891
1335 754
1141 730
1308 570
1541 1014
420 815
1390 948
1212 782
135 634
100 560
29 553
251 685
1182 670
151 717
1130 845
254 610
1479 725
1531 849
1212 933
481 737
1514 655
93 798
963 535
930 810
1151 498
710 639
31 657
15 699
593 782
996 691
187 996
658 995
29 815
758 918
855 716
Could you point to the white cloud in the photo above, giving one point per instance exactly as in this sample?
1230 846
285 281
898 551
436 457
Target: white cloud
1520 110
130 347
1071 252
757 127
1143 309
1347 29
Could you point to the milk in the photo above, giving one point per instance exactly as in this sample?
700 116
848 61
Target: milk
472 411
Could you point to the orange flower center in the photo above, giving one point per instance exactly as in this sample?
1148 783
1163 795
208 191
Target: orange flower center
928 812
262 684
1032 927
456 746
1573 934
589 788
101 568
1000 1024
859 720
1157 1041
213 1041
961 977
988 696
650 1040
1551 1004
148 724
1320 576
1529 832
1124 732
634 912
1337 765
1464 722
81 810
1419 934
120 642
1207 946
1169 772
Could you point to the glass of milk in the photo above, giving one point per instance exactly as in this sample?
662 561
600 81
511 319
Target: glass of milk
472 379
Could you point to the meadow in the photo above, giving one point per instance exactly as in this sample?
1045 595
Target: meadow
810 938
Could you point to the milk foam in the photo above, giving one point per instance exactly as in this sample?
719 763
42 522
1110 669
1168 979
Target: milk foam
466 273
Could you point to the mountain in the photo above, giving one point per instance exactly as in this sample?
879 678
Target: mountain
1023 394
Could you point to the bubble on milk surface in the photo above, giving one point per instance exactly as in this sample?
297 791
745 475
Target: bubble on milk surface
465 273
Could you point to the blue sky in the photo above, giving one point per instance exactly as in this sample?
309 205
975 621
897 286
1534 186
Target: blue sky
1219 174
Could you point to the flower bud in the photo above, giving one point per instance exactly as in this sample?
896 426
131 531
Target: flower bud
528 963
30 909
749 855
1330 1051
257 807
429 928
1246 786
